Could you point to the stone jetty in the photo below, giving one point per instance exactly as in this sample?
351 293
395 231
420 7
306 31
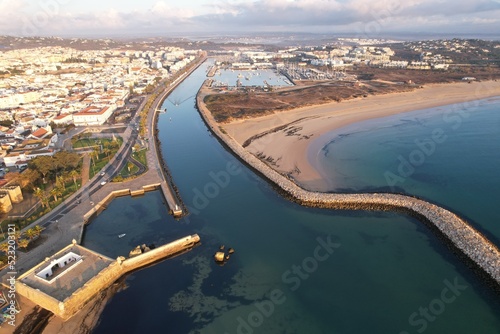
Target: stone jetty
474 248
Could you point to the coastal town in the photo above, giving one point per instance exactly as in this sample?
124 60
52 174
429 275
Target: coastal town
58 92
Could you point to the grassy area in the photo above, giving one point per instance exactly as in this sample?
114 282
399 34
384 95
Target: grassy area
85 142
141 157
103 156
128 171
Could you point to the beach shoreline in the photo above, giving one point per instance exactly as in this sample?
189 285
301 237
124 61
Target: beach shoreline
290 141
472 247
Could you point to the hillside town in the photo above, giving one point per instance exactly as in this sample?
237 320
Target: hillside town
49 87
55 87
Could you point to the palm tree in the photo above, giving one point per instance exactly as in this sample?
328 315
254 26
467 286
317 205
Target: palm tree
60 182
55 192
42 196
30 233
4 247
38 230
107 151
17 235
74 175
94 155
23 243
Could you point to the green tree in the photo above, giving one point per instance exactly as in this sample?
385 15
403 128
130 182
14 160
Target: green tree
30 233
38 230
44 165
23 243
66 160
29 178
61 183
42 196
4 247
54 193
74 175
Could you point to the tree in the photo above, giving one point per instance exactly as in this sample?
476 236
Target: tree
42 196
74 175
44 165
4 247
17 235
107 151
61 183
94 155
12 177
29 178
31 233
66 160
38 230
54 192
23 243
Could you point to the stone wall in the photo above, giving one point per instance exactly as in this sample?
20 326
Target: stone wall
71 305
470 244
15 193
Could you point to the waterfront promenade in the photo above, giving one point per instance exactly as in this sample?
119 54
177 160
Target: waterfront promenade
66 222
475 249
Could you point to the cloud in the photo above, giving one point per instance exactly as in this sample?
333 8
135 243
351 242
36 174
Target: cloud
334 13
21 17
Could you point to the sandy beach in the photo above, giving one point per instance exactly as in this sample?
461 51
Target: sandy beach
284 139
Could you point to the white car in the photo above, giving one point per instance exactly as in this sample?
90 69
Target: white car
103 183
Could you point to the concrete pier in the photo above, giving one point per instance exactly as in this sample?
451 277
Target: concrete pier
172 196
466 241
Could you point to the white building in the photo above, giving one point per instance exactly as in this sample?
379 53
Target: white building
14 100
93 115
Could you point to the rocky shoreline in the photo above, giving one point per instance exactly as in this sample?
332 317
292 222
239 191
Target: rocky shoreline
469 244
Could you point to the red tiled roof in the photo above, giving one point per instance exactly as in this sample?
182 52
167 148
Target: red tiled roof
39 133
92 111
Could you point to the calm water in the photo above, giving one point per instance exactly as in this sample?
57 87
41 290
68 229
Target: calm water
449 155
295 270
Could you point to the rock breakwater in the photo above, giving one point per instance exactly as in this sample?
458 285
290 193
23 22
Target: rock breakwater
473 247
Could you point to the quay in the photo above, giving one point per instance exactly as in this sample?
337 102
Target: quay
67 222
66 281
468 243
170 192
212 70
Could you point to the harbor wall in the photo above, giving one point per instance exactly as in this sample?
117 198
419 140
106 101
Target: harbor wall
469 244
160 252
37 296
73 304
98 207
172 194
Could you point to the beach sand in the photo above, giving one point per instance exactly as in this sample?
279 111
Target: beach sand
285 138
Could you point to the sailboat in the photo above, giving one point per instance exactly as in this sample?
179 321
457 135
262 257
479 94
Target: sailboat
121 235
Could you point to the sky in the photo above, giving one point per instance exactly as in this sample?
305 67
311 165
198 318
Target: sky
360 18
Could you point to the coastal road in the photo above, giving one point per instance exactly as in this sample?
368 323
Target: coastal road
65 222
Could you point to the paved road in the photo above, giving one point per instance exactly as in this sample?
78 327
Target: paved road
65 223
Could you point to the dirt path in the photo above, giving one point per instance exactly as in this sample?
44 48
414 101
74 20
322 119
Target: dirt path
85 168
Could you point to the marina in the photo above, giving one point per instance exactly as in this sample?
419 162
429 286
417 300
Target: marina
249 78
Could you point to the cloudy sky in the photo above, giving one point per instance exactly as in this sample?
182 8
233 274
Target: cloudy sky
173 17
